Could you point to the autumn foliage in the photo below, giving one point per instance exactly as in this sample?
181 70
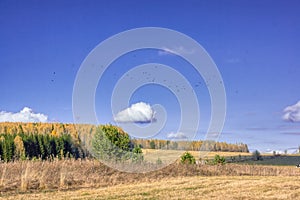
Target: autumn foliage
191 146
19 141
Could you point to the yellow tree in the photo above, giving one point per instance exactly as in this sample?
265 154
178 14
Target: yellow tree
20 149
54 133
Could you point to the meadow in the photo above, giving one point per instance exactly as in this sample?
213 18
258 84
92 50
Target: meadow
151 155
195 187
90 179
231 157
50 161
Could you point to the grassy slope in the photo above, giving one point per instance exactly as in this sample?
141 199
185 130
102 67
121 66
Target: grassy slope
197 187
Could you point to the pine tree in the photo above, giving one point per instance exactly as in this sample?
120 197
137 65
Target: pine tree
2 147
41 146
9 148
152 144
47 146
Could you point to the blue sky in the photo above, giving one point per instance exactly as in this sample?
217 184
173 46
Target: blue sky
255 45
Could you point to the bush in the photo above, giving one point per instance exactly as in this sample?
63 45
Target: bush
256 155
137 154
159 161
219 160
187 158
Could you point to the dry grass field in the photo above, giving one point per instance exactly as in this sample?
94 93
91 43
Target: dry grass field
169 156
195 187
89 179
151 155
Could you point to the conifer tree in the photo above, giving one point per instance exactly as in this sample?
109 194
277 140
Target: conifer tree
19 148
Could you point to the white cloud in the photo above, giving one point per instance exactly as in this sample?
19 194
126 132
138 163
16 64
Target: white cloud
177 50
25 115
178 135
292 113
136 113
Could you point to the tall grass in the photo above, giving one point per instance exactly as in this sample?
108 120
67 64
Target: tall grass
4 167
73 174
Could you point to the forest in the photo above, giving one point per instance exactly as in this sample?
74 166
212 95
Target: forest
46 141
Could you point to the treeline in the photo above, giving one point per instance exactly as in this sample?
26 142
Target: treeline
54 129
49 140
191 145
37 146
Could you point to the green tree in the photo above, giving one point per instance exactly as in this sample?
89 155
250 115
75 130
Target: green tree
30 145
256 155
111 143
168 143
47 146
7 147
187 158
137 154
2 148
152 144
53 149
41 147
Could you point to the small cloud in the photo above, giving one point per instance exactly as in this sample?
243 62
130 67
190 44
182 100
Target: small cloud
25 115
177 50
292 113
137 113
178 135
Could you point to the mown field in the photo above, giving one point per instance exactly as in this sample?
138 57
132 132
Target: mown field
195 187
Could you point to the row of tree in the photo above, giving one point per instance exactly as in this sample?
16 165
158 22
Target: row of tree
39 146
191 145
54 129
